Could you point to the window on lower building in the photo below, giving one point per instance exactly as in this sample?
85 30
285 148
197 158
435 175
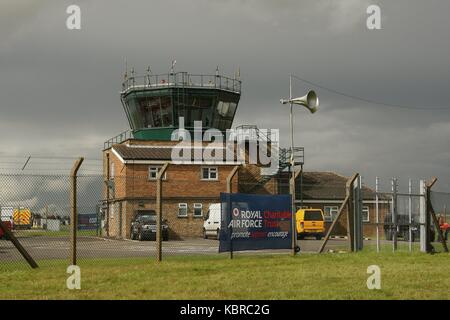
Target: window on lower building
153 171
209 173
112 208
111 170
182 209
198 210
330 213
365 214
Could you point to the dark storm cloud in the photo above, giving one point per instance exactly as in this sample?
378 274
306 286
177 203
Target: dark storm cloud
59 88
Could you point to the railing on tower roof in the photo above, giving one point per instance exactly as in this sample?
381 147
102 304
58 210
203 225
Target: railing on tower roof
180 79
128 134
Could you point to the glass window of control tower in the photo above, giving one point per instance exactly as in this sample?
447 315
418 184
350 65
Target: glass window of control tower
156 112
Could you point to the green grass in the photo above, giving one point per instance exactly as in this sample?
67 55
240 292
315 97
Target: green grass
307 276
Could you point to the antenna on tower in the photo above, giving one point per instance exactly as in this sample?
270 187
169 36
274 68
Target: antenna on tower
132 76
125 74
174 62
149 72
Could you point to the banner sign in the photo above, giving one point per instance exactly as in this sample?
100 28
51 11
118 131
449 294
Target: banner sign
255 222
87 221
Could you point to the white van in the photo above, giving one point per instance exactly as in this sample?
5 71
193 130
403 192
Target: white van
211 225
6 214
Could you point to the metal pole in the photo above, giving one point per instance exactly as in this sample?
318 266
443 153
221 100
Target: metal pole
377 218
229 190
429 247
423 216
159 211
74 213
9 234
301 185
434 219
292 173
410 214
394 214
333 224
360 238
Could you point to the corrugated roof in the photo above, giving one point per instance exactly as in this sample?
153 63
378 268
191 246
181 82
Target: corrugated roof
149 153
140 153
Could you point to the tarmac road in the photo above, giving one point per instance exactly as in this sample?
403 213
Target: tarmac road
45 247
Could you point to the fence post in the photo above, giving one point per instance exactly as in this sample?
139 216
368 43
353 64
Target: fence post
347 203
159 211
73 214
18 246
431 215
394 214
229 190
358 223
410 214
377 214
333 224
350 211
423 217
293 176
428 185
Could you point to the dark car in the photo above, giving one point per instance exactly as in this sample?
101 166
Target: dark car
8 225
403 228
143 227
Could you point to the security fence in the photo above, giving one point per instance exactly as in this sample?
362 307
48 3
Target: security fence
117 212
394 217
397 208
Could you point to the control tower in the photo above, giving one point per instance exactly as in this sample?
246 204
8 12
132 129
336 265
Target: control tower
153 104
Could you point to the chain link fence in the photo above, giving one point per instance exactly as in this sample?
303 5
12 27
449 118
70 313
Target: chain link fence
117 212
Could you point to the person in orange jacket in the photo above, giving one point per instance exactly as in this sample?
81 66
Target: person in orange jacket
444 226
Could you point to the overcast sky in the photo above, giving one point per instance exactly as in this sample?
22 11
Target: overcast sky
59 88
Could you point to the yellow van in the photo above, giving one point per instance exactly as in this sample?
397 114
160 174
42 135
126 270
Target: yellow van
310 222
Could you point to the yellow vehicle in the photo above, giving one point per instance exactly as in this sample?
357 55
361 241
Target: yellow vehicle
22 218
310 222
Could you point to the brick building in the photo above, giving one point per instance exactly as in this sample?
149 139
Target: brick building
188 189
157 106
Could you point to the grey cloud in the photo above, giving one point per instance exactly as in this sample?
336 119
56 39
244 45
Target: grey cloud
62 86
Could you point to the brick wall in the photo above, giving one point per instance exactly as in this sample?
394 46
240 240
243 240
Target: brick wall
133 190
179 227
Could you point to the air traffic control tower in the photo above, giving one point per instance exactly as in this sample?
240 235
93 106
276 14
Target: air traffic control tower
153 104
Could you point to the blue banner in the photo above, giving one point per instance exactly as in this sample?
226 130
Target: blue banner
87 221
255 222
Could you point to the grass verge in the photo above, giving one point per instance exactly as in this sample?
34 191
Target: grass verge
308 276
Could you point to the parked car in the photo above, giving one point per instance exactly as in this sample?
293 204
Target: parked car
403 228
212 221
310 222
143 227
8 225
